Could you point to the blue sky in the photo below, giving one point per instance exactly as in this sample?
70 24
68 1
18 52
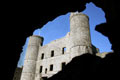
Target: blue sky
60 26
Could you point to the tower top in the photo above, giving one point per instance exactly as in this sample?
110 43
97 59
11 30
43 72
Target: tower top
77 13
35 40
36 36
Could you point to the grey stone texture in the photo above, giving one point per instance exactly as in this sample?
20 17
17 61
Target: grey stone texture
75 43
29 67
80 41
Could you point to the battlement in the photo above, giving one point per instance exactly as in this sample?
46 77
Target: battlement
37 36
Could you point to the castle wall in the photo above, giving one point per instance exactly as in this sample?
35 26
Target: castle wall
45 61
77 42
57 60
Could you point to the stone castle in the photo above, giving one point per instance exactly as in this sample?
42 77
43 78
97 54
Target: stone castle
45 61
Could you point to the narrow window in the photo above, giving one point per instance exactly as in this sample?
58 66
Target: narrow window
41 69
63 50
51 67
46 71
63 65
52 53
42 56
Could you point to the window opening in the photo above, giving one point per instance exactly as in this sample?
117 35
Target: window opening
63 50
51 67
52 53
41 69
42 56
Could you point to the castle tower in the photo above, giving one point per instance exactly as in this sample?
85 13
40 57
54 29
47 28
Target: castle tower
80 41
29 67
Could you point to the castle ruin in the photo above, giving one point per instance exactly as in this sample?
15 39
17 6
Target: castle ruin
45 61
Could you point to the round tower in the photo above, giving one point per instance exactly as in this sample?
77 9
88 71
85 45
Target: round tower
29 67
80 41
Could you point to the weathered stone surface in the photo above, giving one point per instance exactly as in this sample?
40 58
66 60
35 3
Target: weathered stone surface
29 67
76 42
79 34
79 30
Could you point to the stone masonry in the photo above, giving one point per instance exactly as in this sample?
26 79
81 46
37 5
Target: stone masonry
45 61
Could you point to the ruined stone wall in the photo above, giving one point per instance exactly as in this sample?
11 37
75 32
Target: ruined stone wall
61 54
76 42
45 61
